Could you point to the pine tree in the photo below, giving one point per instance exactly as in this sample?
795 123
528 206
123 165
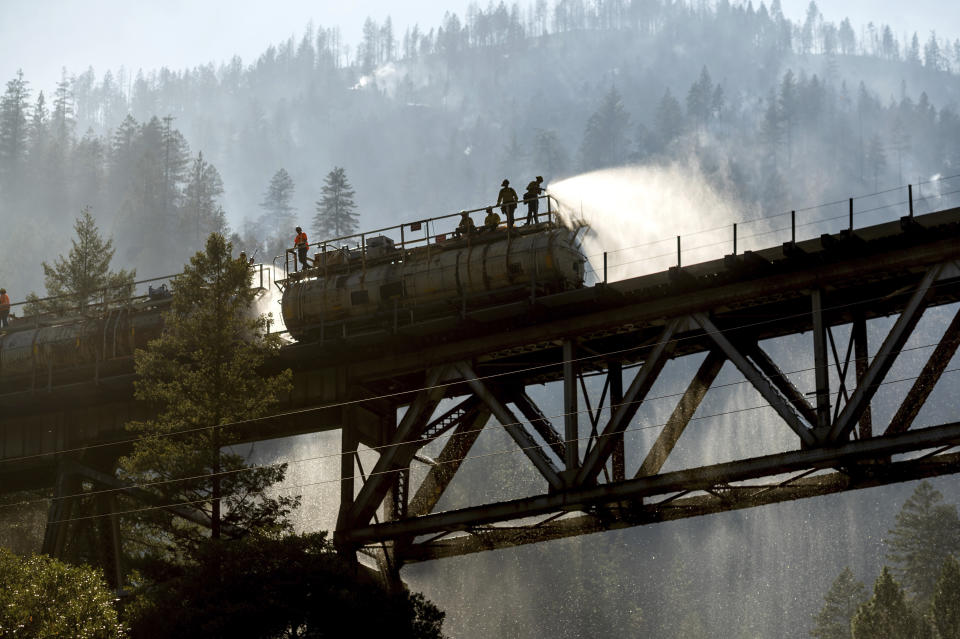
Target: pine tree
84 276
840 603
717 101
932 58
201 375
277 202
336 211
121 155
945 607
39 124
62 116
175 158
927 532
605 142
888 615
913 53
848 39
367 52
201 212
38 150
771 129
13 130
808 33
900 142
668 120
787 110
699 98
889 46
387 41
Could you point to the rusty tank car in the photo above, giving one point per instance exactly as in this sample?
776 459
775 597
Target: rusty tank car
380 282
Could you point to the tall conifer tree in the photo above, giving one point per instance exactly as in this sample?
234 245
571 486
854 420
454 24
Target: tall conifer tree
888 614
927 532
846 594
84 276
201 375
336 211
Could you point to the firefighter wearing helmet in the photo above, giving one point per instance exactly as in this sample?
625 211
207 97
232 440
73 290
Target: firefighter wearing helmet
507 201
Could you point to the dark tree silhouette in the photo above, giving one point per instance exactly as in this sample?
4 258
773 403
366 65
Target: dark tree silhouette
336 211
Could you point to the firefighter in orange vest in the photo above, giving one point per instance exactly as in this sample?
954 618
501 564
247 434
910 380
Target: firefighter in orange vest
4 307
300 243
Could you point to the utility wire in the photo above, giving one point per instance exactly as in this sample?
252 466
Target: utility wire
364 477
346 403
392 395
512 450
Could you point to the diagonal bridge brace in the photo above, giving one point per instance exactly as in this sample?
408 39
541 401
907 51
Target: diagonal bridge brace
756 377
782 383
540 422
927 380
628 407
693 479
682 414
448 462
513 426
401 449
884 359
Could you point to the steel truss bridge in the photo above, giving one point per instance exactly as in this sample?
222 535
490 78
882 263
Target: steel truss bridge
383 390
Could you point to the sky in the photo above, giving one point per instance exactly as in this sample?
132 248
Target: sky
43 36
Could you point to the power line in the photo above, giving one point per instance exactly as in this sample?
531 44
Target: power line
364 477
355 402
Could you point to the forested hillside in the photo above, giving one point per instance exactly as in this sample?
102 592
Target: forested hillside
775 113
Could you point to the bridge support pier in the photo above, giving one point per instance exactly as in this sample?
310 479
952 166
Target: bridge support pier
60 513
64 517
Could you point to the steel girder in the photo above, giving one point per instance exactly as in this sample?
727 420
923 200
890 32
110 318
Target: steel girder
708 478
927 379
592 494
891 347
720 498
398 452
514 427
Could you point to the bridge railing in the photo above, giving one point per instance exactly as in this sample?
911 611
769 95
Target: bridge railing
651 256
357 248
59 309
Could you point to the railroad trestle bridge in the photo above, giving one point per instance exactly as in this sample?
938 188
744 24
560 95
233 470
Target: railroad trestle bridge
399 390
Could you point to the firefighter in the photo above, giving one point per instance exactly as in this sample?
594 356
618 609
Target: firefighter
492 221
300 244
4 307
507 201
466 226
531 197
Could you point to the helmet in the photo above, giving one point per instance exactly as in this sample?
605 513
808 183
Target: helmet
539 178
505 183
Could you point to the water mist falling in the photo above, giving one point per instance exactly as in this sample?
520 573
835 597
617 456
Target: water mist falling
635 214
267 302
